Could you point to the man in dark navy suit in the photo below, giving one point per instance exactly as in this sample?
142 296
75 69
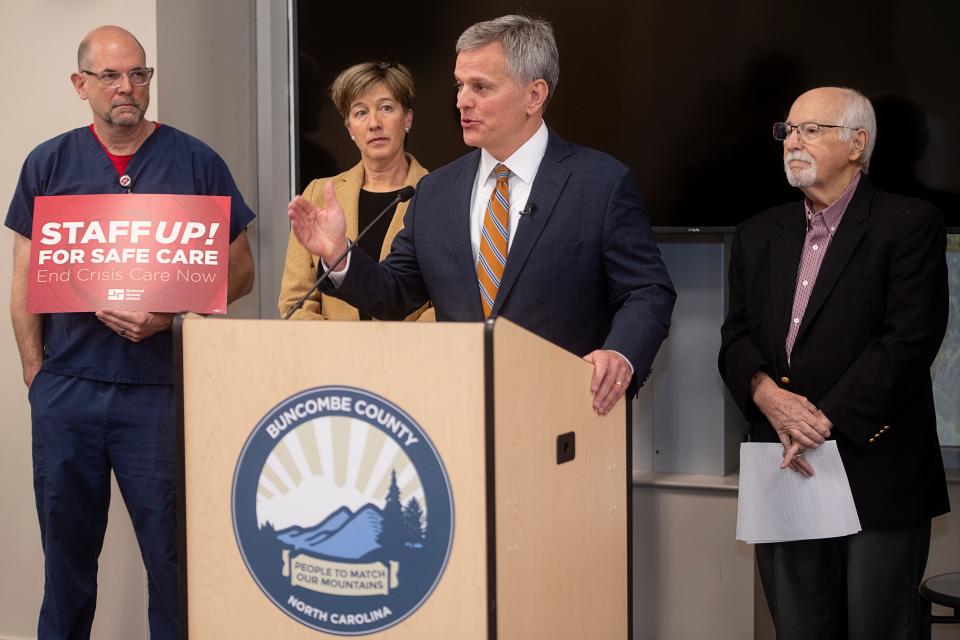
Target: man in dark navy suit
546 233
838 305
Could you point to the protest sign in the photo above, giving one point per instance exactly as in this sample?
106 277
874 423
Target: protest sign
145 252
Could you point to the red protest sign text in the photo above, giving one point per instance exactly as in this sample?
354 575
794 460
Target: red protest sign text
129 251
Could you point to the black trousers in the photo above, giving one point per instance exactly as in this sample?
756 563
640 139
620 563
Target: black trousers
859 587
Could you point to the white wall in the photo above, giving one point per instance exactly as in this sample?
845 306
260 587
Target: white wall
38 46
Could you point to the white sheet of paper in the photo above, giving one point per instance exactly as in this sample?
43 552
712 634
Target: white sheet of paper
778 505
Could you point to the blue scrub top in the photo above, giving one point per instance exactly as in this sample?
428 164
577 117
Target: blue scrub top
74 163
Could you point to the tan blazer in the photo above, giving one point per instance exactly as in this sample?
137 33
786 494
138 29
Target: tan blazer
300 266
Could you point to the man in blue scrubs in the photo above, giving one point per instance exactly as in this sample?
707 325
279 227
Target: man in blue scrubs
100 385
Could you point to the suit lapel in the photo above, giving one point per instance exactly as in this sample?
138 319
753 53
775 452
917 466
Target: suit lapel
547 187
346 188
461 202
414 173
844 243
786 245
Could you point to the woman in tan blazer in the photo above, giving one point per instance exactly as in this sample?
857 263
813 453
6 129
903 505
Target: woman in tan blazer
376 102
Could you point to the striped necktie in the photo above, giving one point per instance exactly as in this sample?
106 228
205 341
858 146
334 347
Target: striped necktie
493 240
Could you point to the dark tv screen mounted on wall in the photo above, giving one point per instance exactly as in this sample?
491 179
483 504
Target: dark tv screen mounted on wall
683 93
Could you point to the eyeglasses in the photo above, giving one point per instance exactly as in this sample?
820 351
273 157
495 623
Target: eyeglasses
807 131
110 79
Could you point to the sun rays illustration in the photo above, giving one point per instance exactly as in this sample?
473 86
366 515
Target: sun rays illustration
328 463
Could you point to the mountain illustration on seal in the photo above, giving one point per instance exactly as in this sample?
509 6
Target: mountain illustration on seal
366 533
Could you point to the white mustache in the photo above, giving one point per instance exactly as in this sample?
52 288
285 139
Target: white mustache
803 156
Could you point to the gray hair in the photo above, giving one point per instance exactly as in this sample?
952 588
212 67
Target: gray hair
528 43
856 112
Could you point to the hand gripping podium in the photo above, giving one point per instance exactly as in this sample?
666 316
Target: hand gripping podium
398 481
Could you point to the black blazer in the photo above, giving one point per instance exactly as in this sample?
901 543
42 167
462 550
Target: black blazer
583 271
872 328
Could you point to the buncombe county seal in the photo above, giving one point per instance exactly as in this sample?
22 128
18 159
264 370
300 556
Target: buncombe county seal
342 510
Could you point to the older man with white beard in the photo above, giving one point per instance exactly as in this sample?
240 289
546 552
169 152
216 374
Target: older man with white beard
838 305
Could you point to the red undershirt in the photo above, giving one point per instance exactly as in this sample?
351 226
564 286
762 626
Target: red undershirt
119 162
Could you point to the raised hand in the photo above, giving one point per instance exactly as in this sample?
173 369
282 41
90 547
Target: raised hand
322 231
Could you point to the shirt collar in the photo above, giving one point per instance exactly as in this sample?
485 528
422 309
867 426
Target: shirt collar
523 162
834 213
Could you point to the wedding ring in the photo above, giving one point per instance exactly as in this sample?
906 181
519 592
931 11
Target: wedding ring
123 332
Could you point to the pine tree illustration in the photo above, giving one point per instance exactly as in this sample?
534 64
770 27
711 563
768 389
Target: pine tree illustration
413 523
391 535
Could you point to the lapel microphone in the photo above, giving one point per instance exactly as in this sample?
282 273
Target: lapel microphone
529 210
402 196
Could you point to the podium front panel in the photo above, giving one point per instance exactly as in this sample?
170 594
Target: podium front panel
234 374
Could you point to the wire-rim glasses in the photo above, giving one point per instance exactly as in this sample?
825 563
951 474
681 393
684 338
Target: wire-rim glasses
806 130
109 79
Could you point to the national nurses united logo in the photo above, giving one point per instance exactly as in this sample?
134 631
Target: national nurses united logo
342 510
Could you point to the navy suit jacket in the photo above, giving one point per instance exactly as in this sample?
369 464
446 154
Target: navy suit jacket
583 271
870 333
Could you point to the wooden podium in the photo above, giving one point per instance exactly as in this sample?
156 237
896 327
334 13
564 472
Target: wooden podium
538 532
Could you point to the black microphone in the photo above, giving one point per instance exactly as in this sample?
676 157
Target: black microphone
402 196
529 210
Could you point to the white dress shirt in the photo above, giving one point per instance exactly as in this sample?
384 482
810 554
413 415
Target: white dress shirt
523 165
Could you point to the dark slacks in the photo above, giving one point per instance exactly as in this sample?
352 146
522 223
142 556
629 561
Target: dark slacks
83 429
859 587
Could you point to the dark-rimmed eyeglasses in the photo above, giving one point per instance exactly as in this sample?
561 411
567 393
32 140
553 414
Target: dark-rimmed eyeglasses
110 79
806 130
